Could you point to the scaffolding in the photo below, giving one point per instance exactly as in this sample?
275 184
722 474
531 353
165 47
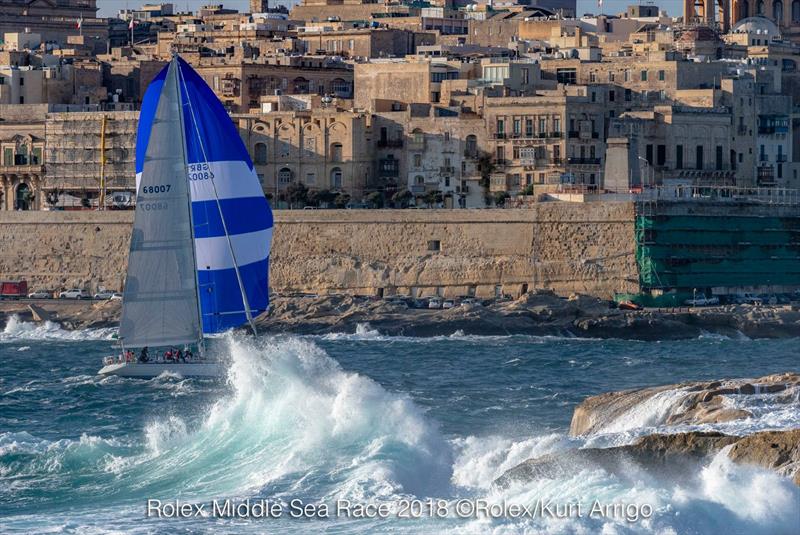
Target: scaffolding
721 238
89 155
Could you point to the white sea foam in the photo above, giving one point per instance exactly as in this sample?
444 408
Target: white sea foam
17 329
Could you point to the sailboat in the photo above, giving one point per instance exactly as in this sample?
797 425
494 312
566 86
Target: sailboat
202 231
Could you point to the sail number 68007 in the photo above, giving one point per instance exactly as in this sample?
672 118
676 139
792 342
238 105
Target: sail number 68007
159 188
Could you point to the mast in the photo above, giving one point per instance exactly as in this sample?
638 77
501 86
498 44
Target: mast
247 312
175 72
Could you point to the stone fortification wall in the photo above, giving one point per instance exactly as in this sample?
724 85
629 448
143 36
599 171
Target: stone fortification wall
568 247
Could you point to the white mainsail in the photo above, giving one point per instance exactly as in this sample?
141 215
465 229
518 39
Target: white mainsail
160 302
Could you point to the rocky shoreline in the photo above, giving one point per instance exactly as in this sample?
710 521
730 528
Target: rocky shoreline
675 455
536 313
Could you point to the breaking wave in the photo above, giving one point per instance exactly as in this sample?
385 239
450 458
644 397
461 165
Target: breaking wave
293 423
16 329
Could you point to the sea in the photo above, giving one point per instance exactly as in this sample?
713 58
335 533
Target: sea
412 430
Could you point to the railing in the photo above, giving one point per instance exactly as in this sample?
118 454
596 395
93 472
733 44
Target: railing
392 143
573 134
780 158
24 169
583 161
445 170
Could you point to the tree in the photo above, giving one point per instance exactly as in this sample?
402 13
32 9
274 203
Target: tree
432 197
500 198
296 193
528 190
341 200
402 198
375 199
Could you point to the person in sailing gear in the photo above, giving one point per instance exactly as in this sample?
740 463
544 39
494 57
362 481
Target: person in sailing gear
189 354
168 355
179 356
144 357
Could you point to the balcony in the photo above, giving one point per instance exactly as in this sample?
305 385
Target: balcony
417 189
555 134
763 158
742 130
25 169
499 135
583 161
781 158
416 145
766 175
445 170
595 135
573 134
390 143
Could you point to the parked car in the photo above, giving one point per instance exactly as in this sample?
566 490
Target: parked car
748 299
399 300
116 296
702 301
40 294
74 293
435 302
102 293
470 301
448 304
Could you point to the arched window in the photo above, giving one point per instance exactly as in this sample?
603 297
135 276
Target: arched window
284 176
471 148
336 178
760 7
419 136
744 9
777 12
340 88
419 180
300 85
336 152
796 11
260 153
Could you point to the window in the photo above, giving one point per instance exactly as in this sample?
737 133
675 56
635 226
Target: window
336 152
542 125
260 153
592 78
284 176
336 178
418 160
795 12
501 154
529 127
628 95
517 127
661 155
611 76
434 245
679 157
419 137
501 127
556 124
698 158
644 76
649 154
661 76
718 159
471 145
777 12
611 96
627 75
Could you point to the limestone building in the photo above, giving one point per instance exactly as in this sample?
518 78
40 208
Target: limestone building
325 149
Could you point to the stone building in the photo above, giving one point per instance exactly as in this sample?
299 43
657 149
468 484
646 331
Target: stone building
325 149
552 138
240 85
362 42
22 143
54 20
425 148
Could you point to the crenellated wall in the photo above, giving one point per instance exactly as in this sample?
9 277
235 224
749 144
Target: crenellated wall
569 247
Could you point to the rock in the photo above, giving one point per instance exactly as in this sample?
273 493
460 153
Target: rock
702 402
674 456
38 313
777 450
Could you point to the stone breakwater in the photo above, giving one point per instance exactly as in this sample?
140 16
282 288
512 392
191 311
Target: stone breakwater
568 247
683 416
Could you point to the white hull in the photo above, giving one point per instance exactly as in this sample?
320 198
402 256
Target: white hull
154 369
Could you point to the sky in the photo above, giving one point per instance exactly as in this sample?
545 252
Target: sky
110 7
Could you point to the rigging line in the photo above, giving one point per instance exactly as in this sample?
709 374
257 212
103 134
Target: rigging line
245 301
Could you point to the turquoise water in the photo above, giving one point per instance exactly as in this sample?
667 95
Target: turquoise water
367 418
